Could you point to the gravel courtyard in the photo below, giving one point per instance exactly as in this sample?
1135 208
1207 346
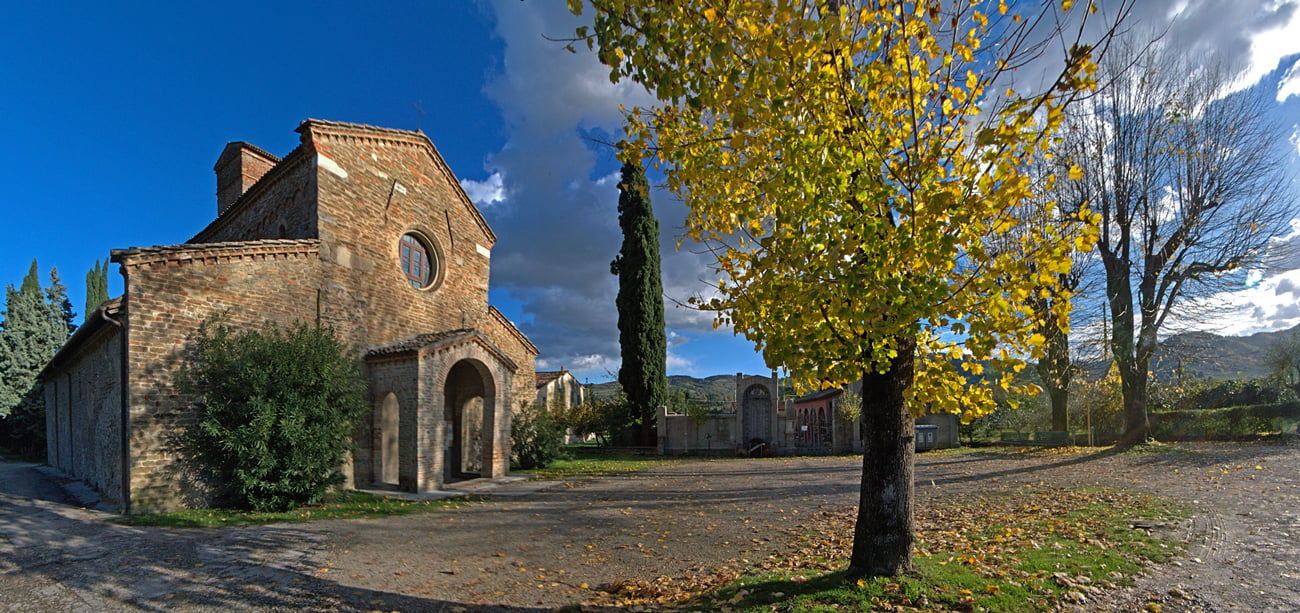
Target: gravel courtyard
534 551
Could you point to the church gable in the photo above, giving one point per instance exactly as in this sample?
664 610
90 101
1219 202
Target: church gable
399 238
394 173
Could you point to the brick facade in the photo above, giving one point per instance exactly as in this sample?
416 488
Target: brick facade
315 237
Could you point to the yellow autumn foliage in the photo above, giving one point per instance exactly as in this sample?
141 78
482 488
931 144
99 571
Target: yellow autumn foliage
856 179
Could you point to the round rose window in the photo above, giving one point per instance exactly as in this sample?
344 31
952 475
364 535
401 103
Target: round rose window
418 262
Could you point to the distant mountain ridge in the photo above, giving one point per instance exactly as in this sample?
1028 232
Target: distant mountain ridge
1204 355
1198 355
721 388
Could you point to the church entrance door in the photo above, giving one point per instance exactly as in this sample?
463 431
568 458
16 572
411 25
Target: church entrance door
469 394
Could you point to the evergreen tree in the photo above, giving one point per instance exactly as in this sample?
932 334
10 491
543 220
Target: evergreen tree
96 286
36 324
61 316
641 335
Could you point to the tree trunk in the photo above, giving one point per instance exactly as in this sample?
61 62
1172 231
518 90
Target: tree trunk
883 537
1054 370
1134 385
1124 349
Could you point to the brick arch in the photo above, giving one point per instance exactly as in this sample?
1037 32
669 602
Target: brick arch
451 376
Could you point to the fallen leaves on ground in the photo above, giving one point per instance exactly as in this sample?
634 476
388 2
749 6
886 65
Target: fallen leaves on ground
992 536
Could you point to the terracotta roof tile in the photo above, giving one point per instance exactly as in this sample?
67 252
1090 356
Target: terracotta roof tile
417 342
826 393
547 376
413 345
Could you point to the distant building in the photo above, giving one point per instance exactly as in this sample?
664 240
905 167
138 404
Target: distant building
559 388
361 228
759 421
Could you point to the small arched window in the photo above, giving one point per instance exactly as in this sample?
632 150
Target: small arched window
418 261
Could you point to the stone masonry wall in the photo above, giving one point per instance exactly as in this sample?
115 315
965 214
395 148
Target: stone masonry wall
399 376
516 346
435 365
283 198
375 185
83 414
170 292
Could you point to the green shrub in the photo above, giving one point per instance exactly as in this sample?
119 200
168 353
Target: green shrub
1220 394
277 412
599 417
1233 423
536 438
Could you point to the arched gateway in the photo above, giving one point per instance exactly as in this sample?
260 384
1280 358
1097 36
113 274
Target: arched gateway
468 397
451 392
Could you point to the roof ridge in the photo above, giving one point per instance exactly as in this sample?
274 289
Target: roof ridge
311 121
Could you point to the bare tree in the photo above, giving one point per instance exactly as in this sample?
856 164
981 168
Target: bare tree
1190 184
1054 304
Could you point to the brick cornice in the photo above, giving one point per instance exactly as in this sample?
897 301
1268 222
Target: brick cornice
424 344
209 253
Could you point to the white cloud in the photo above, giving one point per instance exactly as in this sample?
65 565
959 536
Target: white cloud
679 365
1270 305
1289 84
487 192
593 368
551 191
1275 35
557 218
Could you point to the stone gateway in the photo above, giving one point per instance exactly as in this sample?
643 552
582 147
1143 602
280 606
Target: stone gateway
360 228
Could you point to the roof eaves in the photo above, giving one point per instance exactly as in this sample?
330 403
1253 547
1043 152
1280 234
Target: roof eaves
510 327
104 315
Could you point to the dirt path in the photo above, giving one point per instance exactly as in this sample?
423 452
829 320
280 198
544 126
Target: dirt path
540 550
537 551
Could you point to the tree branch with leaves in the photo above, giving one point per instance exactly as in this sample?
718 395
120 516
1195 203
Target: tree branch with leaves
853 160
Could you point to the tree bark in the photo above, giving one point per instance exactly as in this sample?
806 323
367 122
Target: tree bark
885 531
1054 370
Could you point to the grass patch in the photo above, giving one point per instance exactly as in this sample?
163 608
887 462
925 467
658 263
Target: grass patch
1031 550
1157 449
337 505
1037 451
596 464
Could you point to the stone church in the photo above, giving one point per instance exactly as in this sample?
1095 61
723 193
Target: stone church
360 228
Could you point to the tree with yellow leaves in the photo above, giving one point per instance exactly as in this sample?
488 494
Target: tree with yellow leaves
859 185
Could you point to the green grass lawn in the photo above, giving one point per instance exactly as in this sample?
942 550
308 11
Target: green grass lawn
338 505
595 463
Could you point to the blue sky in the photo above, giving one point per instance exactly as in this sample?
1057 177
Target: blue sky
115 113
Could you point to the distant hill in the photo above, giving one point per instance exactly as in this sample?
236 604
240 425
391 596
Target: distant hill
717 388
1202 355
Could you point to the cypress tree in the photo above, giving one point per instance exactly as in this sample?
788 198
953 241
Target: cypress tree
96 286
36 324
641 336
61 321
